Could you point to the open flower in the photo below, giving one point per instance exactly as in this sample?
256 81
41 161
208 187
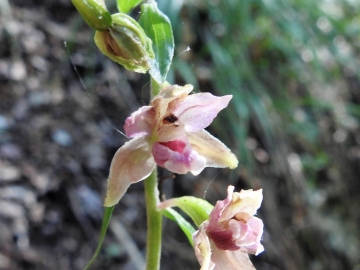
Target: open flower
170 133
231 232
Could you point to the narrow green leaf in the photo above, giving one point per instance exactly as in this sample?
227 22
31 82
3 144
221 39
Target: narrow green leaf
157 27
197 209
185 226
125 6
105 224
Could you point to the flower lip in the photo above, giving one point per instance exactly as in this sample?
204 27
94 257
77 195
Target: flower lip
223 240
177 146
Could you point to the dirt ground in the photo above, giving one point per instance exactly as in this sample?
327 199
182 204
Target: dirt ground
62 105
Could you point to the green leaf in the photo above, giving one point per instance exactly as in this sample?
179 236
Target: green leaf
105 224
197 209
125 6
186 227
94 13
157 27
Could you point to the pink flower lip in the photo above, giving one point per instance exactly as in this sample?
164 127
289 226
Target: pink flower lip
177 146
223 240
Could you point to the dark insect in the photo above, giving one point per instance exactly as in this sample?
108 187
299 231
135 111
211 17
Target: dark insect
171 118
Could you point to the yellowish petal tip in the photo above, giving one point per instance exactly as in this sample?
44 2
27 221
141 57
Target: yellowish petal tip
233 162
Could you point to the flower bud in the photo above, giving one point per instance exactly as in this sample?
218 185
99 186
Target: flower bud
126 43
94 12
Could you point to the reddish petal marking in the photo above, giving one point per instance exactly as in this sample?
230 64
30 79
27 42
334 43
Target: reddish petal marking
177 146
223 239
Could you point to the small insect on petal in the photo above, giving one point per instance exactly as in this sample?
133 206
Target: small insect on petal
170 119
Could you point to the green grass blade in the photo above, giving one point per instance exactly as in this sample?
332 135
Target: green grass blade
105 224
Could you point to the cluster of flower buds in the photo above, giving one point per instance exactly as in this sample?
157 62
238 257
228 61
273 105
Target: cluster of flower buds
118 36
126 43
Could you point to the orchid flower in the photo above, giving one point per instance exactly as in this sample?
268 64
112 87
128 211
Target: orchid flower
170 133
223 241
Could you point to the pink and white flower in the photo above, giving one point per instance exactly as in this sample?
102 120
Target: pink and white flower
170 133
232 231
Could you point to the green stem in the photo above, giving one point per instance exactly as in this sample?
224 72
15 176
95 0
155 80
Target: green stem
154 223
153 216
155 88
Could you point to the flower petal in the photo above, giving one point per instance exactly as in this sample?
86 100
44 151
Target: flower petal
140 123
203 249
209 256
216 153
226 259
178 162
220 206
174 91
132 162
247 201
250 243
170 132
197 111
168 94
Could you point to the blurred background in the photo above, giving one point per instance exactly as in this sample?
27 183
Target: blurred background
293 69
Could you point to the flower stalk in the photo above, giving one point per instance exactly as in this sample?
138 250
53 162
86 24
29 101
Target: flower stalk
153 216
154 222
